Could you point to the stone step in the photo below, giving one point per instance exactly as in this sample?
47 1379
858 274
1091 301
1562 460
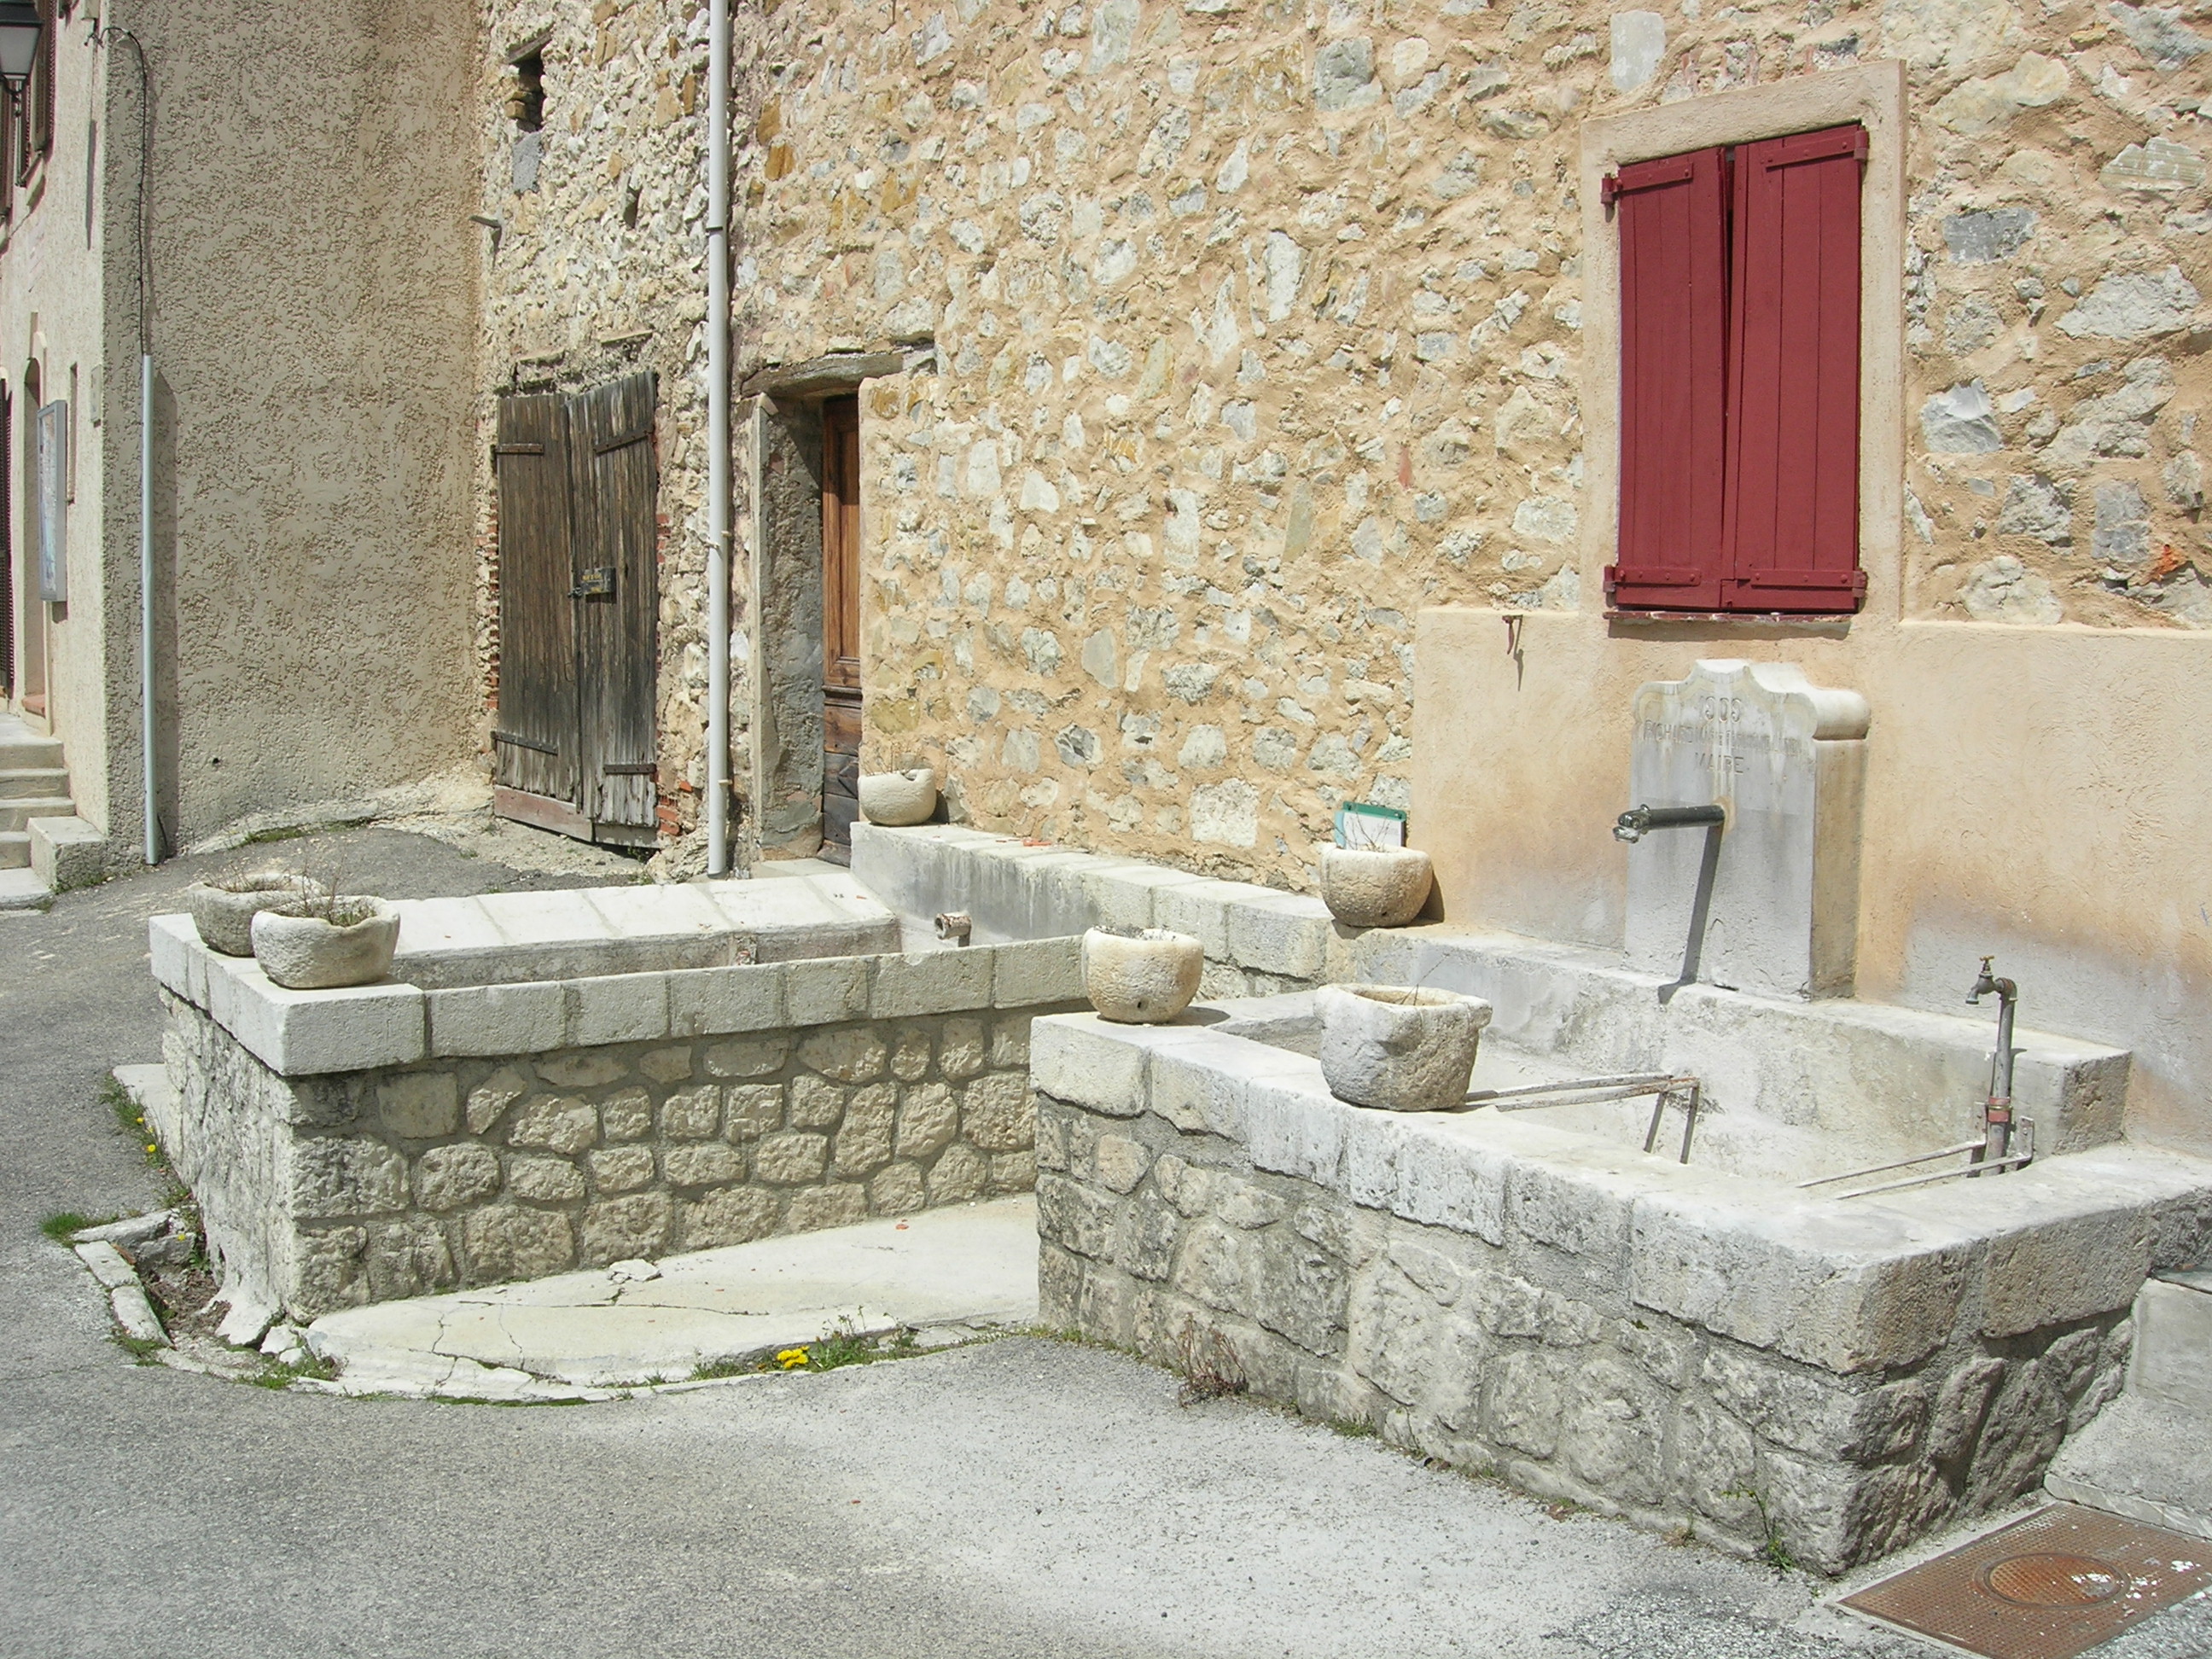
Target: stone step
20 747
14 849
17 813
21 889
68 852
21 782
2125 1460
2173 1342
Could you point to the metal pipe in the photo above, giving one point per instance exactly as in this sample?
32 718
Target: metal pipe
1997 1111
146 601
1883 1169
718 437
1638 822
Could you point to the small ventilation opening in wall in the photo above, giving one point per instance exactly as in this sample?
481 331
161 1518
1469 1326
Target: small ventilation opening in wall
526 100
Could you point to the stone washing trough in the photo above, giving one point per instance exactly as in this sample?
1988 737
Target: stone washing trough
1706 1347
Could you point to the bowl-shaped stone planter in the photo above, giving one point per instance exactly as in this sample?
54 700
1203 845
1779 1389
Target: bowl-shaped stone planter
1374 886
224 911
1396 1048
313 953
898 798
1141 979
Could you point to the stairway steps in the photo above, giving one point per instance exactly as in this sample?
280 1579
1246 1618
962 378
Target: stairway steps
18 813
33 782
14 849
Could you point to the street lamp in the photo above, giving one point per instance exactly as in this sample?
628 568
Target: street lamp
19 26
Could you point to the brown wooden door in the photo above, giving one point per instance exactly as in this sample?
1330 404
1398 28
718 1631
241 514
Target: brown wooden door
840 623
611 461
534 741
578 598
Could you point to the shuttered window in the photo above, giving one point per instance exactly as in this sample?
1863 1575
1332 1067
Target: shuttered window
1738 378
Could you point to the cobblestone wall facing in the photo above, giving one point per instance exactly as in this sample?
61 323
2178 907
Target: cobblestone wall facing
1513 1358
331 1192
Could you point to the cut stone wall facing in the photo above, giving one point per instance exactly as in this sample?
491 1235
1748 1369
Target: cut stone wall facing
332 1191
1687 1350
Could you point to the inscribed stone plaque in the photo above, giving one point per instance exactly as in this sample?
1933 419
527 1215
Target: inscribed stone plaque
1771 904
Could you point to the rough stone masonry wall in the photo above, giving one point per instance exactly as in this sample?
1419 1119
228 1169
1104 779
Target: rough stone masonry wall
329 1192
598 270
1258 328
1521 1359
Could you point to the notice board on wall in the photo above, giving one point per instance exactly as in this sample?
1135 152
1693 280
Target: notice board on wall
52 503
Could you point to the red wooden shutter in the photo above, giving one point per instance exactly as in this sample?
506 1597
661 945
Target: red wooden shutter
1673 273
1793 449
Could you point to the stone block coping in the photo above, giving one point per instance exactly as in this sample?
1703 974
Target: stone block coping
1845 1286
1015 891
308 1033
595 933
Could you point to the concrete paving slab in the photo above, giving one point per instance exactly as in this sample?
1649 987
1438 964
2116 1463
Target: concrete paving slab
973 1266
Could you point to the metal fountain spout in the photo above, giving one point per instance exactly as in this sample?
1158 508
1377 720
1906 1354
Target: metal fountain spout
1639 822
1996 1112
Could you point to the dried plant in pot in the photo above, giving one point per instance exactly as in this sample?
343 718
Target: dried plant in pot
1375 886
898 798
327 940
1140 975
1399 1048
223 909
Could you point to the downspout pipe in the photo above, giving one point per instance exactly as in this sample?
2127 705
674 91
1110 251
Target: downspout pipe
718 437
146 601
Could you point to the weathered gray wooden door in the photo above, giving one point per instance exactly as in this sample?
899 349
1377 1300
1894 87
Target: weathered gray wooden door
578 601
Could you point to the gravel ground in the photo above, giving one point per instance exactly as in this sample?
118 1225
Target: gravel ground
1023 1497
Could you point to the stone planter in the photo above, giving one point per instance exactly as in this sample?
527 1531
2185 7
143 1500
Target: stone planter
309 953
1396 1048
1141 979
898 798
223 912
1374 886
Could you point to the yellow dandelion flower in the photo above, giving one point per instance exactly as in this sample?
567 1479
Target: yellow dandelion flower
792 1359
151 1147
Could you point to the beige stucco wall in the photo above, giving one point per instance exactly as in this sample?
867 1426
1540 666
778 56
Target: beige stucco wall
52 295
313 321
2033 792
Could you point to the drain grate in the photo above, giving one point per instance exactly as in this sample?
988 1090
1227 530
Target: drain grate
2050 1587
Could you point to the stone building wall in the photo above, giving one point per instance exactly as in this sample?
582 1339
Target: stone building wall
331 1191
597 269
1258 328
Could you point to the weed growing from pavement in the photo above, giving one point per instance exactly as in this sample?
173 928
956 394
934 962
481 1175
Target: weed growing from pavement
63 1227
1210 1367
132 1122
1355 1428
841 1345
1775 1553
283 1373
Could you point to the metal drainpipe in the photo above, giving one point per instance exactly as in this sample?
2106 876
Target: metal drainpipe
146 599
718 437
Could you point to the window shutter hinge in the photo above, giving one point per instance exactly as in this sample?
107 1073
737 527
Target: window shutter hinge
1611 580
1608 190
1858 584
1859 147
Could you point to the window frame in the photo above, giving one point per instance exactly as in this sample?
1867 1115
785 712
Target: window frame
1873 96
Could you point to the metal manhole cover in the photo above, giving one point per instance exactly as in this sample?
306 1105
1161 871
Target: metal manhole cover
2052 1586
2053 1581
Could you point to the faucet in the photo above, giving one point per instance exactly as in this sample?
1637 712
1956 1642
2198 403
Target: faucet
1639 821
1996 1112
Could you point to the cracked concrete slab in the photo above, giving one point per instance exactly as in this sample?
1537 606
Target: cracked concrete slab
971 1266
